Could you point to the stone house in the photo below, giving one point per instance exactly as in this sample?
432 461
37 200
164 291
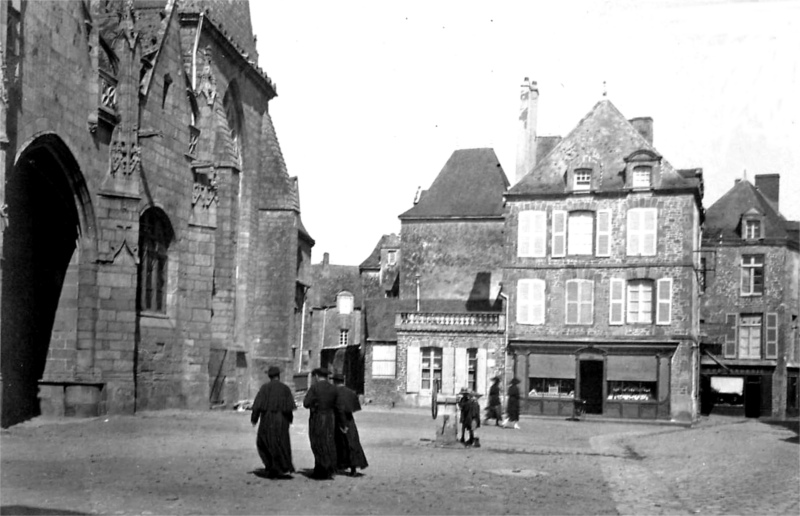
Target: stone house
601 253
153 251
751 258
449 322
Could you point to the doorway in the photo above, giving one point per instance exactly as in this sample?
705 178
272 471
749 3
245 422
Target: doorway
591 386
752 396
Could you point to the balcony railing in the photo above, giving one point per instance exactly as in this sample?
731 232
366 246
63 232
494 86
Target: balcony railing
439 321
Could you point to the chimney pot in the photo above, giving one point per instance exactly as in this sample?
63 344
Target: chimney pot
644 124
770 186
325 259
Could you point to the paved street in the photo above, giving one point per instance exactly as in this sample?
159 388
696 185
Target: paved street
205 463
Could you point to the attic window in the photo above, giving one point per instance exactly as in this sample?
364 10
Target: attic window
752 229
344 303
583 180
391 257
641 177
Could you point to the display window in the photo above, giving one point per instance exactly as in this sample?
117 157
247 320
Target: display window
551 388
631 391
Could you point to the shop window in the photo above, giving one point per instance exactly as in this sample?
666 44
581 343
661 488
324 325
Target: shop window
752 275
472 369
384 361
727 390
642 230
532 233
344 303
530 301
551 388
155 236
431 364
344 337
631 391
580 301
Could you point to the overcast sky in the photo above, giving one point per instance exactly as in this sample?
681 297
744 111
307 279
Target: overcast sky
373 97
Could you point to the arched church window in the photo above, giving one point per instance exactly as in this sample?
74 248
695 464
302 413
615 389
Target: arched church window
155 236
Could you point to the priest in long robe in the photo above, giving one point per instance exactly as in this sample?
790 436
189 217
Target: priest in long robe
273 411
350 454
321 401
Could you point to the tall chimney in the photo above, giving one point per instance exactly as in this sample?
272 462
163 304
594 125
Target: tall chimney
643 124
526 139
770 186
325 259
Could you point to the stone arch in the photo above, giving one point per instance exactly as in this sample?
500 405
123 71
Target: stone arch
49 244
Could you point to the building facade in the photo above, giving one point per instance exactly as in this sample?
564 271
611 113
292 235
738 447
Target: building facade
152 243
601 245
750 305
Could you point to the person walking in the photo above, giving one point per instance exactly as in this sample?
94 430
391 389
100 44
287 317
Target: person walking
512 405
321 400
350 454
273 411
494 408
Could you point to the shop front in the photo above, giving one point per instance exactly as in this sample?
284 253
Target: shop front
622 381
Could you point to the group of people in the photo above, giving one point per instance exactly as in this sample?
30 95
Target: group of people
471 412
332 430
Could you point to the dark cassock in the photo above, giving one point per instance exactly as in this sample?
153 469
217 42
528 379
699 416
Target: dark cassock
350 454
273 410
494 409
321 401
512 405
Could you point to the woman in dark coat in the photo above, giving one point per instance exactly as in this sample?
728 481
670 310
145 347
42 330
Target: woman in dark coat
348 444
512 406
273 407
321 400
494 408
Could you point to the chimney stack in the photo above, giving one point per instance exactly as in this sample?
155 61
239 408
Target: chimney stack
770 186
526 139
644 124
325 259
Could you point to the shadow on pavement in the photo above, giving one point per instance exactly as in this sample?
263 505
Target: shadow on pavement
26 510
263 473
309 473
792 424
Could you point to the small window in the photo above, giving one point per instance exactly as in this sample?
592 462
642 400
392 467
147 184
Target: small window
583 180
431 364
752 229
530 301
752 275
391 257
344 337
750 336
384 361
580 301
642 231
641 177
344 303
640 302
472 369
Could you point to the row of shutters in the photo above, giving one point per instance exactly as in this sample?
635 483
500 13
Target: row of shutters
455 369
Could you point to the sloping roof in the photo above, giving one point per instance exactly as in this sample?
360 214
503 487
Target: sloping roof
606 137
328 280
471 184
724 216
373 261
380 315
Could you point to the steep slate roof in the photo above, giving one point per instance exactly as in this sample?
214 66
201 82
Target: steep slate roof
373 261
724 216
380 314
471 184
607 137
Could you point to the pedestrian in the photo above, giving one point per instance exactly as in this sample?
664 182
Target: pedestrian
512 405
494 408
470 417
273 407
350 454
321 400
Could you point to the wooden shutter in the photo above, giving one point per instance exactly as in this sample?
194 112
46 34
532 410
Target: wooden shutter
603 247
772 336
524 301
461 370
413 369
572 302
616 310
537 301
633 230
664 301
649 227
538 234
731 325
481 373
524 233
449 371
559 233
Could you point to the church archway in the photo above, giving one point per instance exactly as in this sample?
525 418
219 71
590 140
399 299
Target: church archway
48 205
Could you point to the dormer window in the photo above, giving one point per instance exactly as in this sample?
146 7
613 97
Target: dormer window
344 303
583 180
752 229
641 177
391 256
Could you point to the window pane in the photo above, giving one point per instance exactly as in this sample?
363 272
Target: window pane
580 233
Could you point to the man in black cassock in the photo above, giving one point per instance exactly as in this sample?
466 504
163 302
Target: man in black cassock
321 400
494 409
273 406
512 405
350 454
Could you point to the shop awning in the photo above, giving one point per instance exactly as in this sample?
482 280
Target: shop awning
632 368
551 366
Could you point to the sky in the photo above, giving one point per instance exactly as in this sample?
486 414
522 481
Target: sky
374 97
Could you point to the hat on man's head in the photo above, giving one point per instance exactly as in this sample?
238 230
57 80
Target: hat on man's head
338 377
273 371
321 371
514 381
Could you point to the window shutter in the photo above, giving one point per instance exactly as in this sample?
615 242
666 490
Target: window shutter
586 301
572 302
616 312
462 367
449 370
481 372
537 301
731 323
413 369
559 233
649 226
664 299
524 233
524 296
772 335
634 227
603 233
539 234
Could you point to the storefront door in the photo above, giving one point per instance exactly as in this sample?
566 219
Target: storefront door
591 386
752 396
